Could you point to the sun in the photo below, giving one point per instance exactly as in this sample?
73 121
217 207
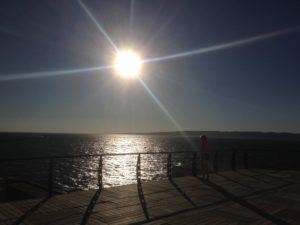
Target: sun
128 64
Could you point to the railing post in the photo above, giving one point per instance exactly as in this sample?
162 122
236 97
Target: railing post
233 160
169 166
100 183
215 162
246 165
194 165
50 177
138 168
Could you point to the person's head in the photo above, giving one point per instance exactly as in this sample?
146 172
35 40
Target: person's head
203 139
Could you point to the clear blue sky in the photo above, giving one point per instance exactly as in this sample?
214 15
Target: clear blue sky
247 87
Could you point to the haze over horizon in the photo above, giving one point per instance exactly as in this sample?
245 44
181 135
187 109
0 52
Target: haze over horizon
209 65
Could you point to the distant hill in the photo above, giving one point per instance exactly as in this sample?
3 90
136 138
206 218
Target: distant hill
236 134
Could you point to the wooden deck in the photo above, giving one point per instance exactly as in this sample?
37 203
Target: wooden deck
235 197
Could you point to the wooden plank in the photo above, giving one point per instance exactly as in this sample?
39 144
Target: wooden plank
170 202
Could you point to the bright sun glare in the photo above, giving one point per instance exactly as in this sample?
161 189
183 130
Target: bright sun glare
128 64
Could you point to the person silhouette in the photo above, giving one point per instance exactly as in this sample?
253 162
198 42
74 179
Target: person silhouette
204 162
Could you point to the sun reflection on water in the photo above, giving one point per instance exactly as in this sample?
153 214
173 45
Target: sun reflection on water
126 144
81 173
121 170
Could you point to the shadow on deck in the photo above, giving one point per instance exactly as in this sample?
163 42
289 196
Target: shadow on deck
233 197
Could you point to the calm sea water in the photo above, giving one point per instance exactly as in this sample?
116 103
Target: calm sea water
81 173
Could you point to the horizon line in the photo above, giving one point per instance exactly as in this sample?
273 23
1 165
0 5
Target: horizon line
148 132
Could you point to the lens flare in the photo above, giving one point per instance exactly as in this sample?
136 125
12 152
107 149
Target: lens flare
231 44
53 73
98 25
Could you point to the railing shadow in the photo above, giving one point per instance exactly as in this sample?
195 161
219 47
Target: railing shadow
245 203
90 207
212 204
253 177
234 181
182 192
170 178
273 177
96 196
140 188
31 211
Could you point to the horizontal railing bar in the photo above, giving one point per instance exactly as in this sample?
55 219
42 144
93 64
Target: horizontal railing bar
92 155
136 153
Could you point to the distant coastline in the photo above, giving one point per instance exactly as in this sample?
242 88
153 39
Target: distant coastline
236 134
212 134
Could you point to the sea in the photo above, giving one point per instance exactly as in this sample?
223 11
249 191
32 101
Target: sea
270 151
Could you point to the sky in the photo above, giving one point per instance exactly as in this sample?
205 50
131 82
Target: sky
239 70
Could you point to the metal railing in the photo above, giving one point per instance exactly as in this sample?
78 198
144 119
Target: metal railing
193 156
51 161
